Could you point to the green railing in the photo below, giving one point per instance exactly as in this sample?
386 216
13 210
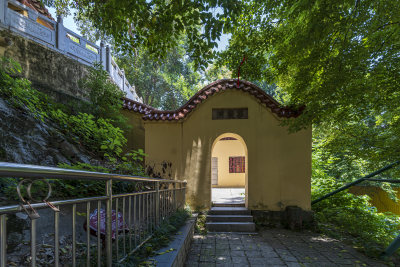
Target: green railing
396 242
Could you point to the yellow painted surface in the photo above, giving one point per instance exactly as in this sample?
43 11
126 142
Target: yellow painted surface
279 163
44 23
223 149
18 9
379 198
25 13
135 135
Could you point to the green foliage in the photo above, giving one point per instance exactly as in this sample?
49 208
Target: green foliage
155 25
338 58
161 237
167 84
18 91
132 163
105 96
95 132
99 135
84 167
350 217
200 227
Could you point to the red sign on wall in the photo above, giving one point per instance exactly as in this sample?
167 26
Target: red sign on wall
237 165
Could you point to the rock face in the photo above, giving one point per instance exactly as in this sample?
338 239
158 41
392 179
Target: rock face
25 139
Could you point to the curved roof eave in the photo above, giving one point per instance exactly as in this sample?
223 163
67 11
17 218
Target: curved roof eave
152 114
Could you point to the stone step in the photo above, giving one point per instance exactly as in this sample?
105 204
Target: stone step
231 226
229 211
229 218
228 204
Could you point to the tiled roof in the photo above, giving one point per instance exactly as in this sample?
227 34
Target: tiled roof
211 89
132 105
37 5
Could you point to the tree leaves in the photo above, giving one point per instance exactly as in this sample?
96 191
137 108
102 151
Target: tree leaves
155 25
339 58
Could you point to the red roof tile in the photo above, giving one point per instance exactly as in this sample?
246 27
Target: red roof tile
37 5
151 113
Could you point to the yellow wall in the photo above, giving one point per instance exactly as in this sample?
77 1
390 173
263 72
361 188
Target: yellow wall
279 163
135 135
379 198
223 150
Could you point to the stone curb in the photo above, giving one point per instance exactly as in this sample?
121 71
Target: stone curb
180 245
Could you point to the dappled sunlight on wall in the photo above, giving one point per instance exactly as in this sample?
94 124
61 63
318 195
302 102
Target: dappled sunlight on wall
277 165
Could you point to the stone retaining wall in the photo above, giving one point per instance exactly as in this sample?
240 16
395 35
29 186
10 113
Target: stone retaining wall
48 70
180 245
52 56
292 217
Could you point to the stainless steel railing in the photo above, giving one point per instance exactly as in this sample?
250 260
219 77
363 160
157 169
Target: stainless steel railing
121 222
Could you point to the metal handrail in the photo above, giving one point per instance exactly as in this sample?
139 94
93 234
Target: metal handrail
141 211
34 171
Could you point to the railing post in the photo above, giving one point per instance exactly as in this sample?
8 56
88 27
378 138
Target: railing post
108 223
175 205
56 239
3 240
157 184
3 11
123 80
60 34
395 245
108 59
33 243
102 55
184 195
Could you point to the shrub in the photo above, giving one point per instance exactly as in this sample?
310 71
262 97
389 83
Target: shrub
97 131
105 96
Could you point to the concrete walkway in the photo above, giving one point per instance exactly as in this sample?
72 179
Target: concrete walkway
273 247
228 195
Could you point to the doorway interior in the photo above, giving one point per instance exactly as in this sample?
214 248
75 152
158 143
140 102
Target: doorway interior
229 170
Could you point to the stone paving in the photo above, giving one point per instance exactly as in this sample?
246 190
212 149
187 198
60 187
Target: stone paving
227 195
273 247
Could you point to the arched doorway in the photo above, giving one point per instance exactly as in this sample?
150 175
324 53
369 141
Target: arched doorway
229 170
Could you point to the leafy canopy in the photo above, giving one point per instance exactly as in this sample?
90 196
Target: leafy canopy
166 85
339 58
155 24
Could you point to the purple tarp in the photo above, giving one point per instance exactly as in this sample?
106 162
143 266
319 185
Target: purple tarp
93 222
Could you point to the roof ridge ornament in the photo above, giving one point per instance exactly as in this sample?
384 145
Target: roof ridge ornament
241 63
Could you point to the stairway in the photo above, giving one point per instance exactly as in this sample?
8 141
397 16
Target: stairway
230 218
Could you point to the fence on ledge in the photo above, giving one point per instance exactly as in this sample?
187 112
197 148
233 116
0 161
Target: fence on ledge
127 219
30 24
